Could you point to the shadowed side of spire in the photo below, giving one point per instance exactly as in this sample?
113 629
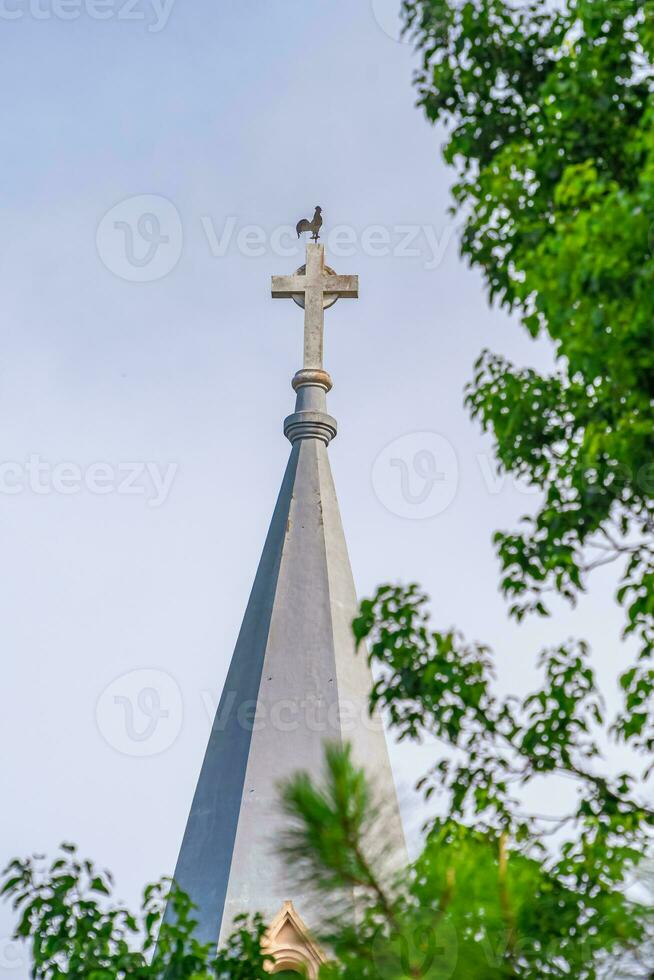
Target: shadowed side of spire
206 853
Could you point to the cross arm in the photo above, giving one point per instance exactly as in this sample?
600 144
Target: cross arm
284 287
346 287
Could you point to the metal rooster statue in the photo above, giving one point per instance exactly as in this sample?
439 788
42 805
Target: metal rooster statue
313 226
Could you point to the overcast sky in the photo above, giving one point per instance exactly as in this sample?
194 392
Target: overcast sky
154 155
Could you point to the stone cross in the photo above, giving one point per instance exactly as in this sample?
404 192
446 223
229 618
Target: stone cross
315 287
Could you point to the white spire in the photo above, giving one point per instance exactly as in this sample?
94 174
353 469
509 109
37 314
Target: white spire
295 679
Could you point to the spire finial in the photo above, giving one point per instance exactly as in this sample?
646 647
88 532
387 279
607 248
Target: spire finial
315 287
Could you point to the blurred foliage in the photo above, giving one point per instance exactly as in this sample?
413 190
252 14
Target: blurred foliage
548 113
73 930
498 891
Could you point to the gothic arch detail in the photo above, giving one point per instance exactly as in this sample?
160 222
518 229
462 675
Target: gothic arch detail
289 942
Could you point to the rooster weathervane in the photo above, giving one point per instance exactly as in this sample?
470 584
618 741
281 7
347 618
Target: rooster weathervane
315 287
313 226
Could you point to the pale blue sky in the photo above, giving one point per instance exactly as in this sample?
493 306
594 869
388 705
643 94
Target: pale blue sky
253 112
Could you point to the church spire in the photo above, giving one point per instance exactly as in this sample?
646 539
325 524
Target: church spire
295 680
